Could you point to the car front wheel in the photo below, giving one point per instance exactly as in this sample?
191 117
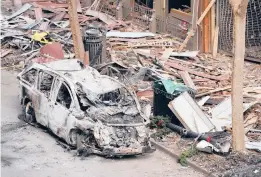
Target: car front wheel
29 115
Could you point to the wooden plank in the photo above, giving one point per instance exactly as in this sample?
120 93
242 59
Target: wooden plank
206 11
151 43
51 4
166 54
201 74
79 8
38 13
206 28
5 52
160 8
56 6
23 9
102 16
190 54
75 28
180 15
58 17
215 42
194 24
187 79
213 91
213 26
145 93
119 11
153 24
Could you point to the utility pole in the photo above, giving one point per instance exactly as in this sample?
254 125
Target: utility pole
239 8
75 28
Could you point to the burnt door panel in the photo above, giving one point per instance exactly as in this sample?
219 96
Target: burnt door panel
60 110
43 98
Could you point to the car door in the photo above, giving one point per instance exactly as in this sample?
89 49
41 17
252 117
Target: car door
29 86
60 105
45 86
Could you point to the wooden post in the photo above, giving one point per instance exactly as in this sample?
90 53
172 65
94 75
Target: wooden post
119 11
75 28
239 8
206 28
153 23
215 42
213 25
128 9
195 11
161 8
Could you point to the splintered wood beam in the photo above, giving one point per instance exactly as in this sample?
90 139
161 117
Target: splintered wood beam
75 28
187 79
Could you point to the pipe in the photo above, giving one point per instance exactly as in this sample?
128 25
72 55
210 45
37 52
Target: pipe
190 134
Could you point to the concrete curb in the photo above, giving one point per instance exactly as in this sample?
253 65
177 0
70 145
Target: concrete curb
176 156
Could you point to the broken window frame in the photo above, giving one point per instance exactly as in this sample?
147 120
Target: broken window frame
40 75
59 83
35 80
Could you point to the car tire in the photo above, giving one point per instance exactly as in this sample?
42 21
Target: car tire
79 143
29 114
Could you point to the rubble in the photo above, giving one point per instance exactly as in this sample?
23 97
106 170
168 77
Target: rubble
149 64
205 146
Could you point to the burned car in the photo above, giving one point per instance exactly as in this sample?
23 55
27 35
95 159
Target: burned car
89 111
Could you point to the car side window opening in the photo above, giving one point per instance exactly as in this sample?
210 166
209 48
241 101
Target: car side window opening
30 76
64 97
46 84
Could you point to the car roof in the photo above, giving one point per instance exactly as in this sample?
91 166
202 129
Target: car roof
65 65
73 70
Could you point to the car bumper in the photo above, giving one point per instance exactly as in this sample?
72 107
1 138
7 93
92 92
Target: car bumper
124 151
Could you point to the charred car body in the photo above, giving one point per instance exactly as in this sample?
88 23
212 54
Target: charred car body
89 111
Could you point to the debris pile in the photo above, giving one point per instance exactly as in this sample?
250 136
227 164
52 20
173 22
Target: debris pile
190 88
25 30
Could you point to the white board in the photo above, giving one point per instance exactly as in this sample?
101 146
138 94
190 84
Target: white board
190 114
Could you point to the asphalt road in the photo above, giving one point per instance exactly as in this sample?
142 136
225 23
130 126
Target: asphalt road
29 151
